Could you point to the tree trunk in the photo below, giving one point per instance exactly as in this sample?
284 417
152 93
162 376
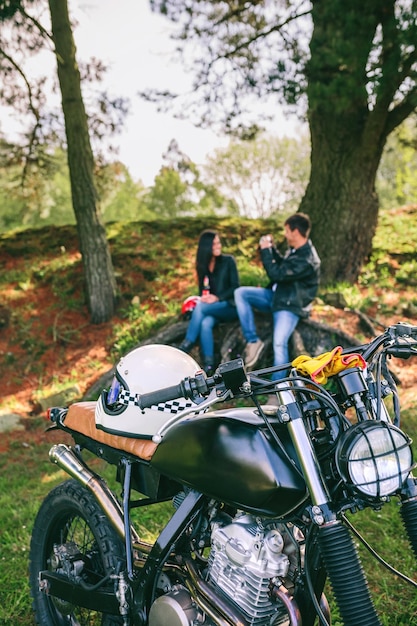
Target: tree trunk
347 137
98 269
342 203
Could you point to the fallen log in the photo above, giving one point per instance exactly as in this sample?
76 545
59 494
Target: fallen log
310 337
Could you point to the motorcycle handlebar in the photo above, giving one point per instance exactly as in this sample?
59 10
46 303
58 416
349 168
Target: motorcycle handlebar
399 340
230 376
146 400
402 352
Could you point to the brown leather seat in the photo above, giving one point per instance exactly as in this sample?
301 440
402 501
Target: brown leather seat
81 418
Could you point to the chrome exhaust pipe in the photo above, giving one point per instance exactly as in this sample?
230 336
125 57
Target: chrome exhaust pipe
290 604
67 460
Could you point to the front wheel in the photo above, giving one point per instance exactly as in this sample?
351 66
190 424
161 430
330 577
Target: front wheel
70 516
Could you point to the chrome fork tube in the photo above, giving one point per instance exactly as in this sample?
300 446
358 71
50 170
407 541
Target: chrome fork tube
290 413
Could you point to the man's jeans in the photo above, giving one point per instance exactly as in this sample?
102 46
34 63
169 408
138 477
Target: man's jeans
249 298
203 319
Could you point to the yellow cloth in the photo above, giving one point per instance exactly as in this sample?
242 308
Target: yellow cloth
321 367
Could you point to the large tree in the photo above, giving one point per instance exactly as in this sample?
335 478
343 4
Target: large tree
101 284
351 64
24 34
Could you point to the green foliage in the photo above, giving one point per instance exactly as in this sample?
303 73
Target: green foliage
251 273
407 274
397 225
377 272
332 61
138 327
179 189
262 177
168 197
26 476
40 196
396 181
121 199
44 197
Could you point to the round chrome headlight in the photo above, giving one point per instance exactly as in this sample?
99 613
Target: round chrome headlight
375 458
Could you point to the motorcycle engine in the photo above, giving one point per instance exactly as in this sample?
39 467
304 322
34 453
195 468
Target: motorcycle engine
245 556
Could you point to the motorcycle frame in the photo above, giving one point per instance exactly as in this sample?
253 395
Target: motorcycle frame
143 584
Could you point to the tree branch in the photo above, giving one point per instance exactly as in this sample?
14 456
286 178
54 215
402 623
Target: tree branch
399 113
262 35
38 25
32 108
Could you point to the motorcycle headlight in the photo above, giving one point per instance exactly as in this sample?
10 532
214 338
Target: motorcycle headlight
375 458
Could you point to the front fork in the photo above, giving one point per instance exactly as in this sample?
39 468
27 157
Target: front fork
409 511
336 545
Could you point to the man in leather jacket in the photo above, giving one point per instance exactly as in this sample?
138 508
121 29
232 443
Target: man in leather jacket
294 283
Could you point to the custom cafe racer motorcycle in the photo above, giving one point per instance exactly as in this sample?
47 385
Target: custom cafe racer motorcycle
261 496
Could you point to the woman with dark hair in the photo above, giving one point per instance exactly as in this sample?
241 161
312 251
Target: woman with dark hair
217 280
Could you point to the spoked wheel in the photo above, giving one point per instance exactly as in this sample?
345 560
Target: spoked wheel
71 531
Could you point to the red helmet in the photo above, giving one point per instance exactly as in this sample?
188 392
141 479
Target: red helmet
189 305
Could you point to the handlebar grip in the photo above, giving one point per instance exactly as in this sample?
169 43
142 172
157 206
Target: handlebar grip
402 352
146 400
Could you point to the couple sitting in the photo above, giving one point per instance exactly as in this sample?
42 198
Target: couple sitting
294 280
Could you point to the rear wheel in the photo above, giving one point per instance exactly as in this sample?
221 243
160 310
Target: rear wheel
70 520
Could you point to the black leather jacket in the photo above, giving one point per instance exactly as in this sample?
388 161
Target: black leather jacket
225 278
294 277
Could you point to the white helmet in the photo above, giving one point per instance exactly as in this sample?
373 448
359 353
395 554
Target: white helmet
145 369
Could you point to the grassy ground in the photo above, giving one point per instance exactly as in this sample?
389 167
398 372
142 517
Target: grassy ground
158 272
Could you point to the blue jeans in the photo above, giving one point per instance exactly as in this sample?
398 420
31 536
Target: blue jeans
249 298
203 319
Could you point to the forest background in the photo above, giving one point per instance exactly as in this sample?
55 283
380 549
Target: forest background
263 178
352 78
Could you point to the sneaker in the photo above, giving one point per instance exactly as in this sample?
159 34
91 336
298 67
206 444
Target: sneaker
185 346
209 370
253 352
208 367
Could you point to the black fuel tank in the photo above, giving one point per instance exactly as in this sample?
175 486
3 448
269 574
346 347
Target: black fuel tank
231 457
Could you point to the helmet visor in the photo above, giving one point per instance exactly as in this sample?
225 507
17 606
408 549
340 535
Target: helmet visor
113 392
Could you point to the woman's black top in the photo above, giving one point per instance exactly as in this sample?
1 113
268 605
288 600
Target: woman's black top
224 279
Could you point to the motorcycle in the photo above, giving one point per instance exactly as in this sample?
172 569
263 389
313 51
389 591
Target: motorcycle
259 493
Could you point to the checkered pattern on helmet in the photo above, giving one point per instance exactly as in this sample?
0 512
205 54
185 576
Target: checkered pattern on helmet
173 406
126 398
